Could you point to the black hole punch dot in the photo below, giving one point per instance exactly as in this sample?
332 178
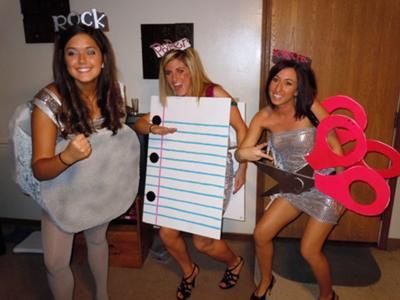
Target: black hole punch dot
151 196
154 157
156 120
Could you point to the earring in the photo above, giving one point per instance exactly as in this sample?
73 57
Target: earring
102 65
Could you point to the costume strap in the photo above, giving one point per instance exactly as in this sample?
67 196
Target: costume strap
210 90
49 103
210 93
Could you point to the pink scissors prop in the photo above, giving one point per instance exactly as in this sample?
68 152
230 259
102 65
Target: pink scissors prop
347 129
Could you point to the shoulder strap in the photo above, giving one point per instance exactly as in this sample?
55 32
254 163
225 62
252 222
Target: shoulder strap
210 91
49 103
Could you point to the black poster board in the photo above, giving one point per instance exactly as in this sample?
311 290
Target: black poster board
160 33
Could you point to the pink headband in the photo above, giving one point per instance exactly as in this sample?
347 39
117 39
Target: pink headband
279 55
161 49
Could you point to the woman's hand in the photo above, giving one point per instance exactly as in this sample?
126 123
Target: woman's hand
240 177
161 130
254 153
77 149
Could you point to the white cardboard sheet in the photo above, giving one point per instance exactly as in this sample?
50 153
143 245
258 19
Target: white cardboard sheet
185 171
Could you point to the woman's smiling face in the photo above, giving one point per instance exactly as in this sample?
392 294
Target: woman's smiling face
179 77
83 58
283 87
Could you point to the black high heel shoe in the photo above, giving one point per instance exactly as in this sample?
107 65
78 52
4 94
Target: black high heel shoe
185 287
230 279
268 291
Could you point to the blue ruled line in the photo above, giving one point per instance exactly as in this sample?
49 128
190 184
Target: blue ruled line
196 124
187 181
188 171
182 220
188 202
157 139
188 152
183 211
194 162
186 191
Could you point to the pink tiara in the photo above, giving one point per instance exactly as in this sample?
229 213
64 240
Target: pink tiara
279 55
161 49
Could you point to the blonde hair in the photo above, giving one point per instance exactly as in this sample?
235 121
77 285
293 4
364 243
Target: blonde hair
191 59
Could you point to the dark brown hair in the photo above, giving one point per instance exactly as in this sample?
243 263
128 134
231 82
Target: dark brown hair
73 114
306 85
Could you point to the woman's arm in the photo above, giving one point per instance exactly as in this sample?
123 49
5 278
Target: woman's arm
249 150
45 163
240 127
143 126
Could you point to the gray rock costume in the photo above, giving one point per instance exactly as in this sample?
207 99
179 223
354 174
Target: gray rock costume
92 191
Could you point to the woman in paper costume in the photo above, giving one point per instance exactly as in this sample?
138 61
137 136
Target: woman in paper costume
288 118
84 157
182 74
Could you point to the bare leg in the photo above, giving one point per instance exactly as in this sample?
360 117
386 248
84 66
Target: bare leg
177 247
312 242
57 247
279 214
219 250
97 246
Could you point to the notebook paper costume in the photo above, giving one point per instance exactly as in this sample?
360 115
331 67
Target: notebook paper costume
288 150
92 191
230 170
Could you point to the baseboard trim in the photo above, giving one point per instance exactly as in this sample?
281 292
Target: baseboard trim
393 244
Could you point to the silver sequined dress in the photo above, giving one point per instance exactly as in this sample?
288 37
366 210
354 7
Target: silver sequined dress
288 150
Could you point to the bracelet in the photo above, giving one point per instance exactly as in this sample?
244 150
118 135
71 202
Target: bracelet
235 155
62 161
150 127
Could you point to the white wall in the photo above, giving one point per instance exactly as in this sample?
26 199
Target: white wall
227 34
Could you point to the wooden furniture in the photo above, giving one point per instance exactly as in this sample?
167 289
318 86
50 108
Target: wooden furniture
129 238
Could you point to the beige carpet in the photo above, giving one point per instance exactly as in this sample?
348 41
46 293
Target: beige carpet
22 277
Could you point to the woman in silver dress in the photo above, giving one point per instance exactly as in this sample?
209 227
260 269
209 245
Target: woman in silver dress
291 91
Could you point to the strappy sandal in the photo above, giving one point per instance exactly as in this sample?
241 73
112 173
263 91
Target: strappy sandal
268 291
230 279
185 288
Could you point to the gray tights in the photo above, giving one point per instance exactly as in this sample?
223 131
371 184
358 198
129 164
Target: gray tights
57 247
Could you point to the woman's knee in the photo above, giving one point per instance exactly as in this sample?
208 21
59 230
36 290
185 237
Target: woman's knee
309 253
168 235
261 236
56 264
202 243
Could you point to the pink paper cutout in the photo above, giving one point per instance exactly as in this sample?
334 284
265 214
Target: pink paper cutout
358 114
351 129
338 187
392 154
322 156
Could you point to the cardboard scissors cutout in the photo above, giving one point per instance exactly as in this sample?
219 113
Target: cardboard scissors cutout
288 182
356 169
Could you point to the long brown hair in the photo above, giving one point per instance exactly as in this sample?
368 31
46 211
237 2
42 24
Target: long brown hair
73 114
